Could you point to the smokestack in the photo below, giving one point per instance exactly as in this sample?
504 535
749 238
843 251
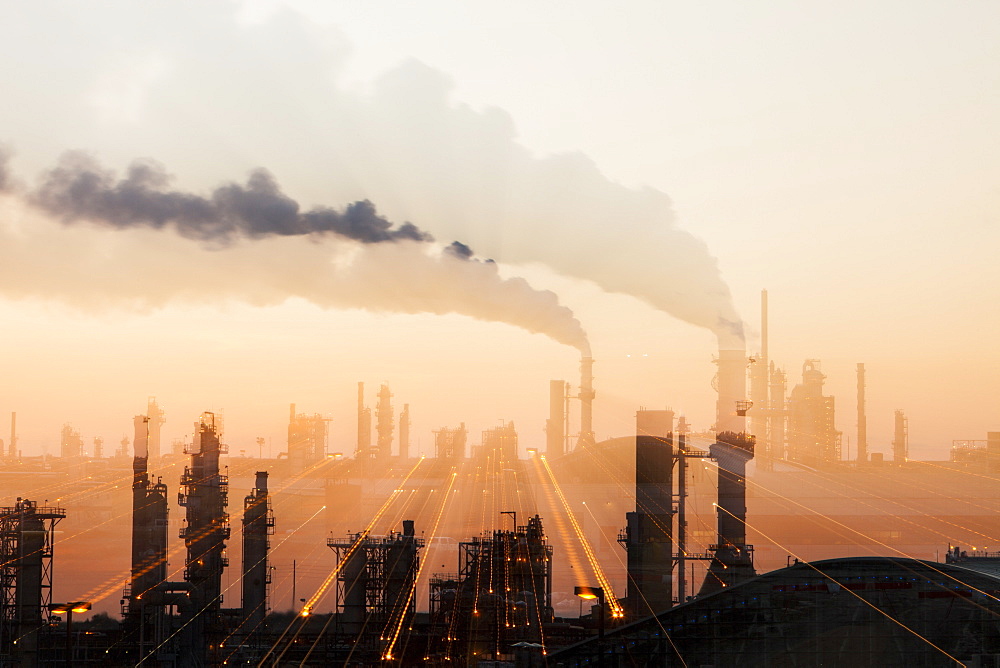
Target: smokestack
404 432
649 532
141 442
732 391
12 446
258 524
862 420
555 425
587 395
900 443
732 562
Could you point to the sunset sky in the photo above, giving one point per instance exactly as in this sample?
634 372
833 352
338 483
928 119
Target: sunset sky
636 159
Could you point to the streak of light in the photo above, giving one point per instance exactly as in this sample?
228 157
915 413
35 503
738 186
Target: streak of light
609 592
849 591
387 655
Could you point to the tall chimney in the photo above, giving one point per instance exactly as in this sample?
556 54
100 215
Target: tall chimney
862 420
649 530
258 524
732 562
587 395
554 426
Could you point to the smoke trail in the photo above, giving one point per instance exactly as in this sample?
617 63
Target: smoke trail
79 189
133 260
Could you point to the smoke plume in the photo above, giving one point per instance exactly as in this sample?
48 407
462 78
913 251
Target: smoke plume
243 243
79 189
402 141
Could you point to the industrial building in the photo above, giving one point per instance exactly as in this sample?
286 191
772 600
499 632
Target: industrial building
672 536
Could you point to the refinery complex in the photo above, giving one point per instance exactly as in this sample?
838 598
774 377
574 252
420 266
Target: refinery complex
755 542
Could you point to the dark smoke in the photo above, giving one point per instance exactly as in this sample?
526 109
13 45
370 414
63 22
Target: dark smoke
459 250
79 189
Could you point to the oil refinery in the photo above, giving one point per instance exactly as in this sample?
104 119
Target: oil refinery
754 542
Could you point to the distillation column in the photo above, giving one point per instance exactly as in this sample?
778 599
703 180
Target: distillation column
144 618
258 524
205 496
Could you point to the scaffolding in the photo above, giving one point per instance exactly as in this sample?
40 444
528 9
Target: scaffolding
376 585
27 533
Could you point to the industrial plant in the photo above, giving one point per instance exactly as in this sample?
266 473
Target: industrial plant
668 546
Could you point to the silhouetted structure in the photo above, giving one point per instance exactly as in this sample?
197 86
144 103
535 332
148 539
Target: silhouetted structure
376 589
258 525
70 442
648 537
205 494
501 596
449 443
143 614
306 439
27 533
901 439
733 557
502 441
813 438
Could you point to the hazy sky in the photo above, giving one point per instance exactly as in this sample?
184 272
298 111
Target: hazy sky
842 155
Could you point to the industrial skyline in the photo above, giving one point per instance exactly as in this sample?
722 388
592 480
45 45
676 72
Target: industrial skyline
824 239
485 311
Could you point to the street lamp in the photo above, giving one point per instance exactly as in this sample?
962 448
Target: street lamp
68 609
591 593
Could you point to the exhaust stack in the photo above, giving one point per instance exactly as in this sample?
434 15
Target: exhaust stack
732 562
649 531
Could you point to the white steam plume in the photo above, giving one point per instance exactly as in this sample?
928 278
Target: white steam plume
141 268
